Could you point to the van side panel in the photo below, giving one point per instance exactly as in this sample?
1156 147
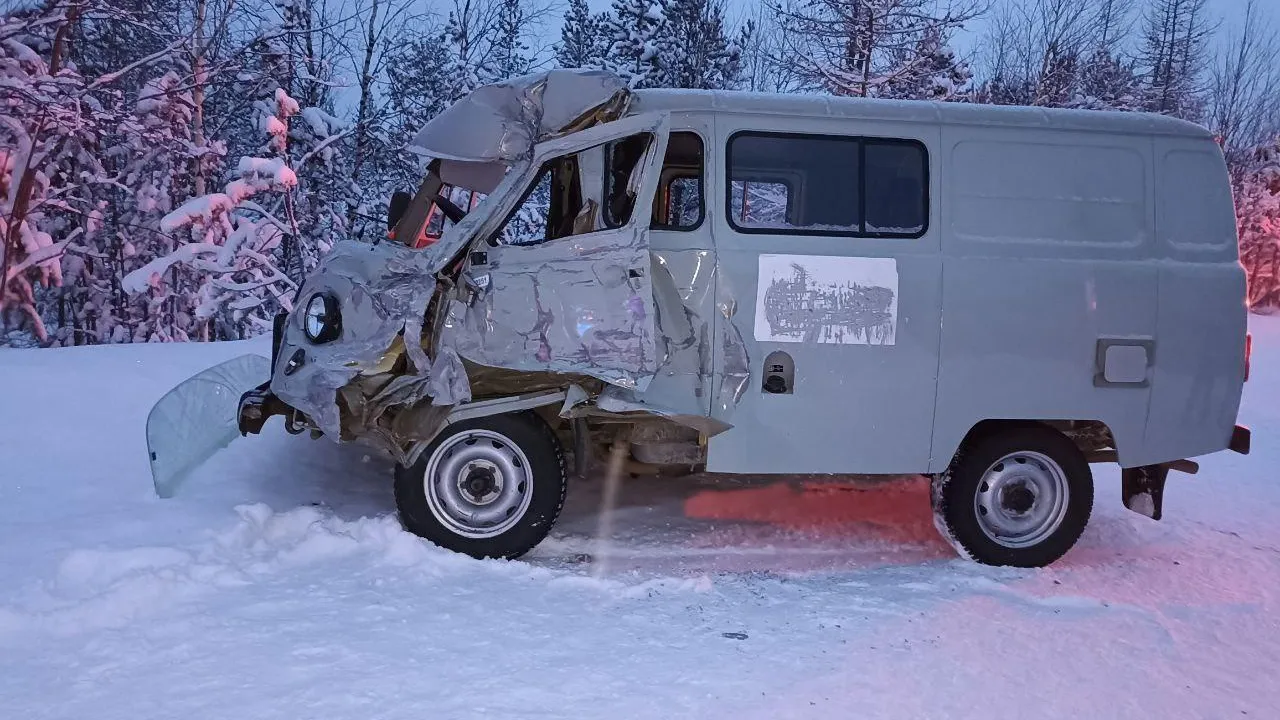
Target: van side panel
1199 369
861 407
1045 260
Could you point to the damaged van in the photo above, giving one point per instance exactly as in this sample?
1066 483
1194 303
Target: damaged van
994 297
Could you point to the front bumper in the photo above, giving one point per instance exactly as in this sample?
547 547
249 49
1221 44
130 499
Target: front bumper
260 404
256 408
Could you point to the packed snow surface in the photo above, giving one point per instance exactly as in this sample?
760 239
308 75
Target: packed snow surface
278 584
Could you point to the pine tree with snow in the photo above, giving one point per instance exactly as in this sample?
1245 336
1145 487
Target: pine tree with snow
865 48
1107 83
635 29
463 68
580 45
695 50
508 54
419 88
931 71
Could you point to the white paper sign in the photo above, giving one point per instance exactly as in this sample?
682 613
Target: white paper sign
827 299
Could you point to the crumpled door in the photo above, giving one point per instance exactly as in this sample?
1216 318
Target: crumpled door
564 283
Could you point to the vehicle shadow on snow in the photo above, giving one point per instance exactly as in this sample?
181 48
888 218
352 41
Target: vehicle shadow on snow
774 524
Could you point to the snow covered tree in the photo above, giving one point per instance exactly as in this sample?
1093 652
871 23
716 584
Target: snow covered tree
377 29
160 165
293 112
232 253
51 145
509 51
1106 83
1256 188
580 44
1033 50
634 29
418 89
463 38
1244 88
695 49
866 47
930 72
1172 56
316 148
765 67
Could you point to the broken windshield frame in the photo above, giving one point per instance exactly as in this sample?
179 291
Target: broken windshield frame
427 216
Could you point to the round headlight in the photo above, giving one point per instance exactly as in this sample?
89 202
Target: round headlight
322 321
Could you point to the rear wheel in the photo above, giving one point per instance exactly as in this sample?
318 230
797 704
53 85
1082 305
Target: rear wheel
1020 496
490 487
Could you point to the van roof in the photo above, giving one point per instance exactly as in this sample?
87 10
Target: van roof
938 113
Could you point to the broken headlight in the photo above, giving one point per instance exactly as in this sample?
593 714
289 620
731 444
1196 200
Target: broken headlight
322 321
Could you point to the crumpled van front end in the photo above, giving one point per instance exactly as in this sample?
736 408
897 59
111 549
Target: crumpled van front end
367 353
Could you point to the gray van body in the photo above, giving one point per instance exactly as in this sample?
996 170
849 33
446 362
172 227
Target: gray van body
1075 266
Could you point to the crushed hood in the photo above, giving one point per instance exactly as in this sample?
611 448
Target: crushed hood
500 123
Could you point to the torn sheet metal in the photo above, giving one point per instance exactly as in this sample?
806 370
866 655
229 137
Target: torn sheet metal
620 400
382 290
502 122
613 400
685 313
735 365
580 304
560 313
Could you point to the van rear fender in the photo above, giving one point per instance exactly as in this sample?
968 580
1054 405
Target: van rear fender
1093 437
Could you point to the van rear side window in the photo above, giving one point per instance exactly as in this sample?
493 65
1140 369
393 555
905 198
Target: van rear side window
827 185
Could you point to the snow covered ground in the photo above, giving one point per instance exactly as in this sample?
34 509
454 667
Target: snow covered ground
278 585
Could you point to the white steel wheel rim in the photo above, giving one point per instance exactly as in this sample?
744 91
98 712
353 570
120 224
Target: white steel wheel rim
1021 499
478 484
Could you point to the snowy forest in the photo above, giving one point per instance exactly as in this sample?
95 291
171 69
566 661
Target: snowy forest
171 169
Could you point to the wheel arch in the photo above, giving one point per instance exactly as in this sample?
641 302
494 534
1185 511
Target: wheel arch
1093 437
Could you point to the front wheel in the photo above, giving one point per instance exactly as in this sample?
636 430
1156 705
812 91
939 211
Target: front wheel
1019 497
490 487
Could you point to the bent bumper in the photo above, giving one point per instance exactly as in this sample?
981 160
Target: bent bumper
258 405
256 408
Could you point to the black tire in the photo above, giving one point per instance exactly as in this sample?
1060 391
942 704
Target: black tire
955 495
534 439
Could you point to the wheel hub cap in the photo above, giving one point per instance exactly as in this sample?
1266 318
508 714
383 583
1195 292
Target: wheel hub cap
1021 499
478 483
481 481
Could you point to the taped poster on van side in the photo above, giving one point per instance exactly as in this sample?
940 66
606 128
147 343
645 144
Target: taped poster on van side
827 300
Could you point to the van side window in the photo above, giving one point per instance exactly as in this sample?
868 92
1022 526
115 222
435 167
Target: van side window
678 204
827 185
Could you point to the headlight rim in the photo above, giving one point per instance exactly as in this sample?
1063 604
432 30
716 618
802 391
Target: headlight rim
331 319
